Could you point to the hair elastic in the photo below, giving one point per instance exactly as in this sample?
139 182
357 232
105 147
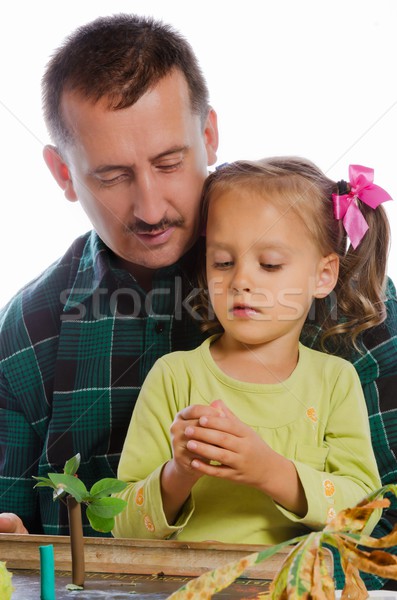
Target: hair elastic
359 187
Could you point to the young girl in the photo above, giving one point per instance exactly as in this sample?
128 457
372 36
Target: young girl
253 437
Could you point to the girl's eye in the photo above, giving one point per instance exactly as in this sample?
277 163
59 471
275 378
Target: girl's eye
270 267
223 265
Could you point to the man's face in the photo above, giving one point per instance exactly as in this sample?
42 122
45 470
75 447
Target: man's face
138 172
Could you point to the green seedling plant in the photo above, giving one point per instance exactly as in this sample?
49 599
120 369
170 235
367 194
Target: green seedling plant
100 507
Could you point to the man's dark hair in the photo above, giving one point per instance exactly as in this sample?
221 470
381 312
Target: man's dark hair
118 58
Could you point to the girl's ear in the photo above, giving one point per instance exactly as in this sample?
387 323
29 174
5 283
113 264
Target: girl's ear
60 172
327 275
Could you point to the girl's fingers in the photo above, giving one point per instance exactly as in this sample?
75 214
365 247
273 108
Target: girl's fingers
221 424
195 411
211 454
211 436
222 409
212 468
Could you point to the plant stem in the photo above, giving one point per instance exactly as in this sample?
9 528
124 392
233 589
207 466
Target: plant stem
76 541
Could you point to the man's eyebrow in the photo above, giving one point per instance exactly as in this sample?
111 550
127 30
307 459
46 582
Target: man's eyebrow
172 150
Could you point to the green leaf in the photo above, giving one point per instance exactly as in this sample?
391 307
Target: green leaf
70 484
72 465
107 507
279 584
212 582
107 486
42 479
43 482
300 572
390 488
264 554
99 523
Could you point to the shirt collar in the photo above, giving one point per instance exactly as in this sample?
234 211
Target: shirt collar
95 269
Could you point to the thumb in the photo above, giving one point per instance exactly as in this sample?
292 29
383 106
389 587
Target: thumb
10 523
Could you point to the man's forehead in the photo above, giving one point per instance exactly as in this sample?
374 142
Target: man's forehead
172 85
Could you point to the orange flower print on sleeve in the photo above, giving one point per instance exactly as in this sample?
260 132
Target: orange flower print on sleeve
311 414
331 514
148 523
329 488
139 497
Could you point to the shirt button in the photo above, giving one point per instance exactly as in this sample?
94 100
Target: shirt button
159 327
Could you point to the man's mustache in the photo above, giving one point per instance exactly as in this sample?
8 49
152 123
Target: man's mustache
141 227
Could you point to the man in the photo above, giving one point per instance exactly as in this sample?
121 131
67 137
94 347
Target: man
127 108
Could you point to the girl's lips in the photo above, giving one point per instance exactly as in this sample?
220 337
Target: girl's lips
157 238
244 312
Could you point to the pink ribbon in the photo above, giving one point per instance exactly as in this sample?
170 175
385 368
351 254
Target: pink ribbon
345 206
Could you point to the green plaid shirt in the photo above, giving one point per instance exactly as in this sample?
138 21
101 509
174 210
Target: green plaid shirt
75 346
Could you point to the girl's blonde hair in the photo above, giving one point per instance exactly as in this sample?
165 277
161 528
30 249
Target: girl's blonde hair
296 184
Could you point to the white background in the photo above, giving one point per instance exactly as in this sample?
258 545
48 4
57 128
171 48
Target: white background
315 78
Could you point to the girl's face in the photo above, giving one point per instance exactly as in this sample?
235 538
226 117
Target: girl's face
263 268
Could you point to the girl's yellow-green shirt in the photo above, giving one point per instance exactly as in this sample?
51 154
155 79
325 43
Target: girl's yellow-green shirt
317 418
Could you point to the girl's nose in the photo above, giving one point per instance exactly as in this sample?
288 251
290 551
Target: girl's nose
240 282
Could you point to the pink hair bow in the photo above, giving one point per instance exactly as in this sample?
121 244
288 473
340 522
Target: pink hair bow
345 206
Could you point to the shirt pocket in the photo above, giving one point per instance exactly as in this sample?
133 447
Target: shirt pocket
313 456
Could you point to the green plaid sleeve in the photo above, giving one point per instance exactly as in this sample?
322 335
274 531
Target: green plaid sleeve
28 338
23 420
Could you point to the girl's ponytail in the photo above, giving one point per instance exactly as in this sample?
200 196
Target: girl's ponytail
362 271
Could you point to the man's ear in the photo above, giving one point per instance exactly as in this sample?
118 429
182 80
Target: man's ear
60 172
327 275
211 136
